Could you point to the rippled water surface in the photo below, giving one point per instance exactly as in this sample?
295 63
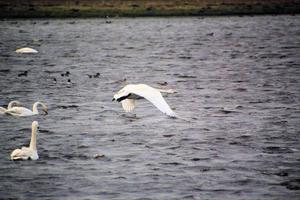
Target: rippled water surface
238 81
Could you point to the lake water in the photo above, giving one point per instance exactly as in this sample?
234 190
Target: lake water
237 80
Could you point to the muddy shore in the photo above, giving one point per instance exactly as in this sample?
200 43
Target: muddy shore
131 8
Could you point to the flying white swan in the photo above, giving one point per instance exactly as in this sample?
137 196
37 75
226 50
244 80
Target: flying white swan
26 153
26 50
21 111
130 93
10 105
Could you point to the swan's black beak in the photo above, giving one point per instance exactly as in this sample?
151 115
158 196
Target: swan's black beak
113 99
46 112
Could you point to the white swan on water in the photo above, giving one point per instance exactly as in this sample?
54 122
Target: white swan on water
10 105
30 152
131 92
26 50
21 111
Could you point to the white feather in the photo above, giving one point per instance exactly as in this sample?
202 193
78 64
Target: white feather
19 111
23 154
26 50
2 110
128 104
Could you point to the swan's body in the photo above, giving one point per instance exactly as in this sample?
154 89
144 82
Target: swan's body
130 93
30 152
26 50
22 111
10 105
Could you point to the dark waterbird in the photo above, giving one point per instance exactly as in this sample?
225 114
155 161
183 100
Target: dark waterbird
67 73
97 75
25 73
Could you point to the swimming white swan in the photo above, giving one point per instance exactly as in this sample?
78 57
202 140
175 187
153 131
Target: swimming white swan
10 105
130 93
26 50
21 111
26 153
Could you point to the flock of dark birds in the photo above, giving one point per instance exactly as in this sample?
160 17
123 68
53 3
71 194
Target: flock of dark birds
64 74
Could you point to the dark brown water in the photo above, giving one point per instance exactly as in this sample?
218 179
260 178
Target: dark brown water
237 77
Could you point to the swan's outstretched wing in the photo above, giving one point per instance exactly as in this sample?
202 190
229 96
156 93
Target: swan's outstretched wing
128 104
155 97
2 110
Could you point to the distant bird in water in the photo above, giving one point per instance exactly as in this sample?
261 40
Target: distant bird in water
28 153
97 75
10 105
163 83
22 111
132 92
25 73
98 155
67 73
26 50
54 80
107 21
122 81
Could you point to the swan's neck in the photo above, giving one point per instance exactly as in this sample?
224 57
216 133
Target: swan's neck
33 138
34 108
10 105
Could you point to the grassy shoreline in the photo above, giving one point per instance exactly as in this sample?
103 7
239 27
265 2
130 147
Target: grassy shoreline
143 8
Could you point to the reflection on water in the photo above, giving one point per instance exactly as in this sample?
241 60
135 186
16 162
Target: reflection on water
237 77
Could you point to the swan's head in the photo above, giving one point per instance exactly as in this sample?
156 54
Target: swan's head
14 103
121 95
35 125
45 108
